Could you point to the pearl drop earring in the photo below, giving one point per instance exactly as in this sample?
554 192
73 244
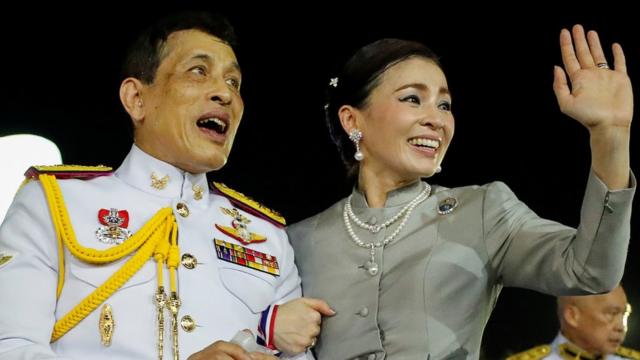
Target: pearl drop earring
356 135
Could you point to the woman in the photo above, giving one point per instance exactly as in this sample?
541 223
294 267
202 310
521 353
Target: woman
412 269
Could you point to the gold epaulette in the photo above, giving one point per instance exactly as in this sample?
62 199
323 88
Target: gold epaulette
68 171
628 353
538 352
249 205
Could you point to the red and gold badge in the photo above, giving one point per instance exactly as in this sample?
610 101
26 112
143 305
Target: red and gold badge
115 226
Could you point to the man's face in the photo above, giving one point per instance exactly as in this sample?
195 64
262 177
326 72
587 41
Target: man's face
193 107
602 322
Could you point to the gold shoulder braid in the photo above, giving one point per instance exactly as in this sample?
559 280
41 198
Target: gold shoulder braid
65 172
249 205
628 353
68 171
536 353
157 239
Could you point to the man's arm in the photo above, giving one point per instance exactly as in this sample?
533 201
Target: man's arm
292 323
29 278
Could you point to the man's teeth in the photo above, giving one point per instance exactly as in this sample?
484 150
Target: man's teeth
434 144
206 122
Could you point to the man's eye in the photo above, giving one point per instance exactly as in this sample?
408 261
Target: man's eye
200 70
234 83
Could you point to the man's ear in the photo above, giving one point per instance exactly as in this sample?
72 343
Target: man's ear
131 99
348 116
571 314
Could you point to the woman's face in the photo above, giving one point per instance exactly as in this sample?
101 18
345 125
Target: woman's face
407 123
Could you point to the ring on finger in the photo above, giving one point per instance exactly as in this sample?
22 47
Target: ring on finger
602 65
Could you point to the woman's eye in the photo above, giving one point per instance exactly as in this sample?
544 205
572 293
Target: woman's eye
414 99
444 106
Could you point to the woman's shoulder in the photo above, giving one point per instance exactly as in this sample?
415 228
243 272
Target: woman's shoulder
312 220
489 194
494 186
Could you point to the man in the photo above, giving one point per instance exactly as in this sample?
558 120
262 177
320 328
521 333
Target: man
591 327
149 262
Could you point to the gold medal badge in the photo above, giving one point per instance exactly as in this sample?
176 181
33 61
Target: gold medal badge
239 228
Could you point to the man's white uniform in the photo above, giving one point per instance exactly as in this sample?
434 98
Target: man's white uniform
563 349
219 297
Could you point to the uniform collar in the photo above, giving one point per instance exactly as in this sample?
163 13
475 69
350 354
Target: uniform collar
568 350
395 197
156 177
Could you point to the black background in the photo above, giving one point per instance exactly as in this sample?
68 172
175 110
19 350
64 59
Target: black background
61 76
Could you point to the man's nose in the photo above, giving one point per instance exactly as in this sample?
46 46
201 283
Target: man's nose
220 93
620 325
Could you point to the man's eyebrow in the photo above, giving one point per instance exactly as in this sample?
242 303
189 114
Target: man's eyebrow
236 66
203 57
207 58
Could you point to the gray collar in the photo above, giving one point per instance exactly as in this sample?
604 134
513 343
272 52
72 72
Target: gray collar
397 197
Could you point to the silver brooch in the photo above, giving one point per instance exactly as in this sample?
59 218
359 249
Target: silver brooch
447 205
333 82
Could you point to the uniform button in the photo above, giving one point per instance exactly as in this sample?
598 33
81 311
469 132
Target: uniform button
373 220
364 312
187 323
182 209
371 357
189 261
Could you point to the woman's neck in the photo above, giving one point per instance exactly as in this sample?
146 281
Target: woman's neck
375 187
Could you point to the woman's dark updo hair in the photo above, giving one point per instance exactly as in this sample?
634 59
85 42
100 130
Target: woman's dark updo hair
360 75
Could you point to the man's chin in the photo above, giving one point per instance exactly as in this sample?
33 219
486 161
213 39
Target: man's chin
198 166
216 163
612 347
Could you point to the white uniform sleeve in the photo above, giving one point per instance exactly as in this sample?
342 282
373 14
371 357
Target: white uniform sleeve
289 286
28 280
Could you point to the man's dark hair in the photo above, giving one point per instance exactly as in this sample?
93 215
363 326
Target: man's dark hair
144 54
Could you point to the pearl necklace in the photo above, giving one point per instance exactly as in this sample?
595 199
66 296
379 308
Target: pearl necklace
347 214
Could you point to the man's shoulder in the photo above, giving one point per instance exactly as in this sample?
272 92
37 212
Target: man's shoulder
627 353
535 353
68 171
30 190
248 204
